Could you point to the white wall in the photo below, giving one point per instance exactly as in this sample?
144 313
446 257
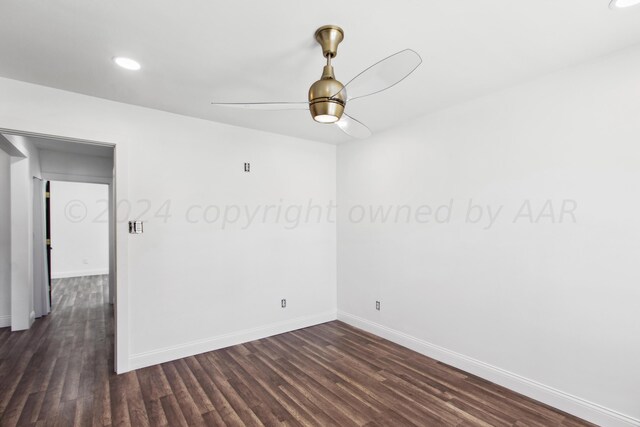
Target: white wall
190 287
23 170
192 279
5 240
556 303
79 229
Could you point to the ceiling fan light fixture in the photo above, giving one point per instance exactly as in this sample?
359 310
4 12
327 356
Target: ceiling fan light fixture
326 110
326 118
623 4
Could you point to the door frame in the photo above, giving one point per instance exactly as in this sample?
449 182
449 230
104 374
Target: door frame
118 236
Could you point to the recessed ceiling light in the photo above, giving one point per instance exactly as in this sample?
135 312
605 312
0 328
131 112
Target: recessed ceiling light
621 4
127 63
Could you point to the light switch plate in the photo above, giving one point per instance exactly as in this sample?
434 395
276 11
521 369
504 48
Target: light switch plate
135 227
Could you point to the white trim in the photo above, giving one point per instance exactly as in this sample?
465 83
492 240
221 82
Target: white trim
79 273
67 177
121 256
5 321
9 148
558 399
162 355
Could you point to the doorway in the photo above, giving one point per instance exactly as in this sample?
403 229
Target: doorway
39 163
78 230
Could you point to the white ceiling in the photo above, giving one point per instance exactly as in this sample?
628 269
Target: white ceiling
197 51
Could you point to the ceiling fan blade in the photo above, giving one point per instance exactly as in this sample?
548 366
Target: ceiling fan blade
384 74
353 127
273 106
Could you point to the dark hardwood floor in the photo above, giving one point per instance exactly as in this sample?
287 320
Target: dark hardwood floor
59 373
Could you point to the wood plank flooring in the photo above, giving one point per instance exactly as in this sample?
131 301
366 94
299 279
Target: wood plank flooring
59 373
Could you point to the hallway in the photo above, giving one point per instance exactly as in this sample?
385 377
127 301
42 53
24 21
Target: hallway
60 367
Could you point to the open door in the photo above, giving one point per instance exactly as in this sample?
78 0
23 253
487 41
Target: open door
47 206
41 284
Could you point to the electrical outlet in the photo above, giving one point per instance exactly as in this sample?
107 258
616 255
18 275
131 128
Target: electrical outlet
283 303
378 305
247 167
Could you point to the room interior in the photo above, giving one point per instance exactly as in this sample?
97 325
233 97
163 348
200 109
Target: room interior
460 248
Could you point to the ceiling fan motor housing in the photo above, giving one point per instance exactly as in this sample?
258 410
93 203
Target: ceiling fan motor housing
327 98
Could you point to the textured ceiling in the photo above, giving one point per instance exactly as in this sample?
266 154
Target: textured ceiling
197 51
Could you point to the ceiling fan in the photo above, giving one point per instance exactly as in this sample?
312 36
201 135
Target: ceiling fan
328 97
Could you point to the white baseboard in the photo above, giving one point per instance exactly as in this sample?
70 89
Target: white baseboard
155 357
5 321
558 399
79 273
